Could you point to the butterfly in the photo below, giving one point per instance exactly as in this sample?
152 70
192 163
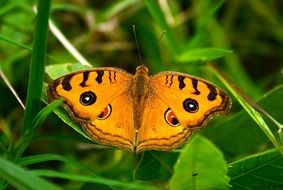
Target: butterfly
138 112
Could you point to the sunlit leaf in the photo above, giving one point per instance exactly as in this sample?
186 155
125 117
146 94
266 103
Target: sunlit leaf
55 71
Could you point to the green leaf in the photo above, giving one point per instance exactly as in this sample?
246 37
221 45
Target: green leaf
13 42
233 136
202 54
115 8
28 160
100 180
155 165
251 110
23 179
38 119
205 14
260 171
55 71
64 116
42 115
201 166
99 186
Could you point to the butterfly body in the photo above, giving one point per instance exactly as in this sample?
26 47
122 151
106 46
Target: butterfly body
139 94
138 112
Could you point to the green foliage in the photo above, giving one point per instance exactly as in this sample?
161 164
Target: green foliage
203 54
156 165
260 171
243 136
243 39
200 166
22 179
36 73
56 71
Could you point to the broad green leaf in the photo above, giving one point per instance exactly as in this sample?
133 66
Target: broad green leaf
64 116
55 71
240 135
253 112
260 171
23 179
202 54
156 165
200 166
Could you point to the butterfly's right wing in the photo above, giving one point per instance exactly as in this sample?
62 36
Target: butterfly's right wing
178 104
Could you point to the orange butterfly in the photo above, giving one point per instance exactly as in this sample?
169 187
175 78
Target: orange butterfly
138 112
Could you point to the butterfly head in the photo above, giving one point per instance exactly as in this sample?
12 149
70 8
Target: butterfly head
141 70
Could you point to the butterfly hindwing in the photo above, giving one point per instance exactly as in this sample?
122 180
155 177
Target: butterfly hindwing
159 131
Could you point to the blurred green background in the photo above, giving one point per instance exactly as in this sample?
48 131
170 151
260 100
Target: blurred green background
244 39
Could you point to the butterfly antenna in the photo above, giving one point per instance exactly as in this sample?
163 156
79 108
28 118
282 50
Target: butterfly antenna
137 44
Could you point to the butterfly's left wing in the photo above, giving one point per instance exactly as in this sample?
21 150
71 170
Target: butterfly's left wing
177 104
95 98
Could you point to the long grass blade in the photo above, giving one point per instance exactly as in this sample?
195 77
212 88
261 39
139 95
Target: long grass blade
36 75
84 178
2 75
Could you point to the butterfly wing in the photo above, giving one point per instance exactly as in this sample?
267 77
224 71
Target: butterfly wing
95 99
115 127
178 104
155 133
